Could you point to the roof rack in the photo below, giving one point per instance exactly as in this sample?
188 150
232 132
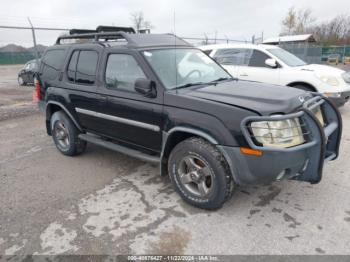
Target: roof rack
97 36
104 28
101 32
81 31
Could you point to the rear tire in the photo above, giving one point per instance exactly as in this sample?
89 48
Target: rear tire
200 173
65 135
21 81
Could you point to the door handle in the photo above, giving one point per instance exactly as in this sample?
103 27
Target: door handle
244 74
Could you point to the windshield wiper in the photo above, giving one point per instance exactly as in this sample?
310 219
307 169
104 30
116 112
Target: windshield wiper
189 85
214 82
223 79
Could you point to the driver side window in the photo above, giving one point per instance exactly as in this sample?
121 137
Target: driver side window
258 59
122 71
233 56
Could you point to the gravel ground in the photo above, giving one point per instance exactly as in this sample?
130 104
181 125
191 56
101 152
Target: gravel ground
15 101
103 202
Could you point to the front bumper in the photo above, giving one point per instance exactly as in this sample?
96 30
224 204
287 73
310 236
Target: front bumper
342 99
303 162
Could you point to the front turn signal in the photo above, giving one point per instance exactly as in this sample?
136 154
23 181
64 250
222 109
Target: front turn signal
252 152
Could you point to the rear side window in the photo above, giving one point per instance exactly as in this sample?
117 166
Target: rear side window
258 59
82 67
233 56
52 63
86 67
72 67
122 71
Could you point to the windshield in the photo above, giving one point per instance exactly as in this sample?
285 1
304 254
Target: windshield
184 67
286 57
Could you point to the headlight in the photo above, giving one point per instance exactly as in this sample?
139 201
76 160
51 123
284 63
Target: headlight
330 80
284 133
346 77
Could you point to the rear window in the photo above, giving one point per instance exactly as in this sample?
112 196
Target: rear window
52 63
86 67
54 59
82 67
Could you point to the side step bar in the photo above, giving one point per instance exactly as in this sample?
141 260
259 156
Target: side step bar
118 148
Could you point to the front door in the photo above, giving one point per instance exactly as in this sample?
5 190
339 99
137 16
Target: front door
129 116
257 70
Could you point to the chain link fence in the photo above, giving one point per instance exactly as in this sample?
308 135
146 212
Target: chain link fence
311 53
318 54
12 58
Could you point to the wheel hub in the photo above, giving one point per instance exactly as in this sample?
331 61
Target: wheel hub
61 134
195 176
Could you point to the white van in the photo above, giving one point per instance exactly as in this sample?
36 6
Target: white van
271 64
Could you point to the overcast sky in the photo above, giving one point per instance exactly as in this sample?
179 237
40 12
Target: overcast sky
233 19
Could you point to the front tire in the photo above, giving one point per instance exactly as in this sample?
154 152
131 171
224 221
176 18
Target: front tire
200 173
65 135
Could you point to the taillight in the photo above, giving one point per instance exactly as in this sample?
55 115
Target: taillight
37 91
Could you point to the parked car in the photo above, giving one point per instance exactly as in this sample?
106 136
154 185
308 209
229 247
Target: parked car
27 73
159 99
333 59
273 65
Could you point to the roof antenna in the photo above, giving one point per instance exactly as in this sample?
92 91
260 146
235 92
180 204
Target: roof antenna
175 51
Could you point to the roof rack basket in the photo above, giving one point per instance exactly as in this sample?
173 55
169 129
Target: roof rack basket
102 32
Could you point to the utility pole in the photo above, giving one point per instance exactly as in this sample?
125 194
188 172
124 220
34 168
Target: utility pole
34 41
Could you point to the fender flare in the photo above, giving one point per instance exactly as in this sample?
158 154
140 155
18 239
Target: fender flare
66 111
190 130
166 135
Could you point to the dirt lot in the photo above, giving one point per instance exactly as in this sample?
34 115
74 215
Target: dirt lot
103 202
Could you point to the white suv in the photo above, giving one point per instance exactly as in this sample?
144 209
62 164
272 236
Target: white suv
271 64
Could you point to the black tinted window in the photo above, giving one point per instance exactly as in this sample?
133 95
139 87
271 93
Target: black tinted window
122 71
86 67
52 63
72 66
54 59
258 59
233 56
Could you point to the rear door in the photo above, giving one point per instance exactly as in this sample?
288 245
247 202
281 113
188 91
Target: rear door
257 70
130 117
81 85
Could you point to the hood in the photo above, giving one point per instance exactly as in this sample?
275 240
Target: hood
264 99
321 69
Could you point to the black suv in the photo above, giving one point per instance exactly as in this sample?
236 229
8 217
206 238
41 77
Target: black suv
159 99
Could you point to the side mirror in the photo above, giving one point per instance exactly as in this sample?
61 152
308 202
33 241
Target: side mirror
146 87
271 63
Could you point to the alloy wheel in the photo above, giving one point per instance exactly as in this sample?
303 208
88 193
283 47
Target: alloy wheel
195 175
